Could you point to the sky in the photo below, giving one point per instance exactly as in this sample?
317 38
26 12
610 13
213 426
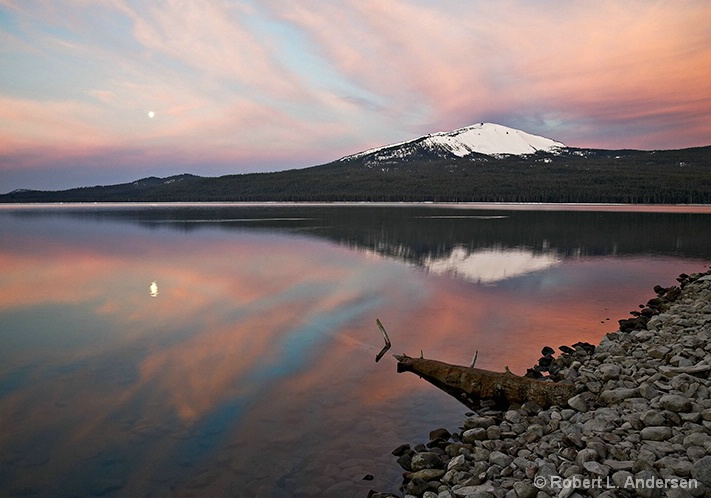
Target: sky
107 91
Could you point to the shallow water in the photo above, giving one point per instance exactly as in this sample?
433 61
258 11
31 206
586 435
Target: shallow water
228 350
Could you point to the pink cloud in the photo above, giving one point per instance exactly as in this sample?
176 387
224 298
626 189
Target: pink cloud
24 123
518 58
211 38
291 85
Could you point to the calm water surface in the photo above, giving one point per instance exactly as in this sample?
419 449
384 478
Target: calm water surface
228 350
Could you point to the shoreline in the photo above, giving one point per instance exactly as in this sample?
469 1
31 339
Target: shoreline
639 425
693 208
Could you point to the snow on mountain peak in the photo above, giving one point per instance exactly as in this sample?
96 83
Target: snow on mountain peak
481 138
490 138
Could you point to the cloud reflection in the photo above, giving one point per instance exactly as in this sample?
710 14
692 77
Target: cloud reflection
236 315
490 265
260 343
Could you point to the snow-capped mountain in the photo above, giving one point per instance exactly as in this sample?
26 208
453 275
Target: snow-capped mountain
479 139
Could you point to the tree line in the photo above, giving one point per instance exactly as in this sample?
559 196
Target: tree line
578 176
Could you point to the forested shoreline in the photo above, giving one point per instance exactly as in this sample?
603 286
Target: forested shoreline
576 175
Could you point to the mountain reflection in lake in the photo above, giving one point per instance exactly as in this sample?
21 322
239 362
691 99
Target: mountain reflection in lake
228 350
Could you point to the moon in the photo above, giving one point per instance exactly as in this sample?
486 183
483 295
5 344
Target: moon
151 114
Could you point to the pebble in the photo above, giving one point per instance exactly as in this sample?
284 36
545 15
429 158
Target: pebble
643 411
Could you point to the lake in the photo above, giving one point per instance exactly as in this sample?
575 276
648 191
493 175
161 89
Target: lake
229 350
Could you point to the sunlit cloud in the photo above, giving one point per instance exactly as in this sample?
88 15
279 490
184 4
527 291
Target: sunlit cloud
263 85
490 63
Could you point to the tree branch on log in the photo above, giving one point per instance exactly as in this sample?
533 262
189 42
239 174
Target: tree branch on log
470 385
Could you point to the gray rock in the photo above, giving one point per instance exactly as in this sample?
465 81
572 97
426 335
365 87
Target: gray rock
535 430
604 494
545 474
598 446
643 335
677 493
427 474
524 489
472 435
698 370
522 463
647 488
480 454
467 491
574 438
696 439
493 432
675 403
578 403
426 460
566 413
648 391
513 417
481 422
617 465
652 418
702 471
499 458
609 371
482 494
459 462
616 396
693 417
658 433
695 452
658 352
597 468
586 455
678 466
621 478
417 487
596 425
405 461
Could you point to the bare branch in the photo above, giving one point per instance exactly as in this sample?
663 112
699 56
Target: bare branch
476 355
386 338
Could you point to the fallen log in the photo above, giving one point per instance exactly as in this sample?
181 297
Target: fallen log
471 385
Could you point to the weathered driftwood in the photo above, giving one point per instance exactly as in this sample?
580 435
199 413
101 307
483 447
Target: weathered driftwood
470 385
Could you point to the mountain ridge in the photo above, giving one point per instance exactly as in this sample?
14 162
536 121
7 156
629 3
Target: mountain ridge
440 167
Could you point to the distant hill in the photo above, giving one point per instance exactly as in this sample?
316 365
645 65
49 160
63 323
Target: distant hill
480 163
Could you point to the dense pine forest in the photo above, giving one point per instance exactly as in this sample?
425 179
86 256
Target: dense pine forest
575 175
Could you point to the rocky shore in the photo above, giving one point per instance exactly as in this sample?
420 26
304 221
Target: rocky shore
639 425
